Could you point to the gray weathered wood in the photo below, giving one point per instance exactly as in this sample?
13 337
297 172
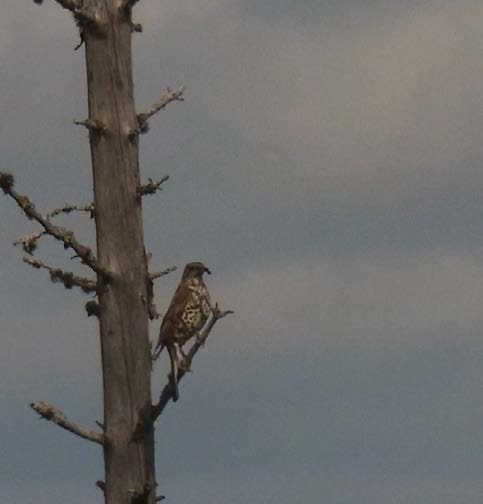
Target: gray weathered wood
129 465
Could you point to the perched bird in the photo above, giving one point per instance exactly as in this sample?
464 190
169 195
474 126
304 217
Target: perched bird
186 315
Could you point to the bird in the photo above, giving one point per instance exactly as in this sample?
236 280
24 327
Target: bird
187 313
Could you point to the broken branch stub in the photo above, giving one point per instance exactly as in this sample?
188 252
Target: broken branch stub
53 414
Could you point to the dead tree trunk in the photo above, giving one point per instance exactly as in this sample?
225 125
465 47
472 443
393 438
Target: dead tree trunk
124 285
123 299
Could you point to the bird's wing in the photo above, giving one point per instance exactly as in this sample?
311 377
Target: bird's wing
175 310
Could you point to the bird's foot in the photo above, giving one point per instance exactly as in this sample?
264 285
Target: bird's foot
185 365
199 339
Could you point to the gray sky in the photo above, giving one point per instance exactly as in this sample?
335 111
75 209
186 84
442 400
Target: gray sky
326 165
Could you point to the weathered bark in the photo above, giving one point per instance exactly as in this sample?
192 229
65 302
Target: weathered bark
126 362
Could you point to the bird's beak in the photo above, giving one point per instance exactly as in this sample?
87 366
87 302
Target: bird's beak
207 270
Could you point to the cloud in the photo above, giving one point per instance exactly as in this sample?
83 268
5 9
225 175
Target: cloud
354 127
5 35
189 11
335 169
326 165
376 111
374 115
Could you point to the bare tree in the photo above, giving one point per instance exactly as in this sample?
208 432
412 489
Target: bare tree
122 284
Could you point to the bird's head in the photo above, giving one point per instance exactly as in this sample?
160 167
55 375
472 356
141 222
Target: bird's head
195 270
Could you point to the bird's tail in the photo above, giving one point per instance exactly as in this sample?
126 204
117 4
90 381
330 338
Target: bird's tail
173 377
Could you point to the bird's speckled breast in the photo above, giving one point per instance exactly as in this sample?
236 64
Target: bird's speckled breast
196 312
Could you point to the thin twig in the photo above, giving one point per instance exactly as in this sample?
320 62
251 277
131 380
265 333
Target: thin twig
67 208
152 186
92 125
167 98
64 235
165 272
65 277
167 392
81 40
29 241
76 7
84 15
93 309
136 28
101 485
51 413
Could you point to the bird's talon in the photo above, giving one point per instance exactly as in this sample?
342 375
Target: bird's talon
185 365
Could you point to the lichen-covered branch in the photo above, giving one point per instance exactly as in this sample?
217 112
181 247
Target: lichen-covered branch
67 278
73 208
167 392
29 241
170 96
81 13
51 413
59 233
152 187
